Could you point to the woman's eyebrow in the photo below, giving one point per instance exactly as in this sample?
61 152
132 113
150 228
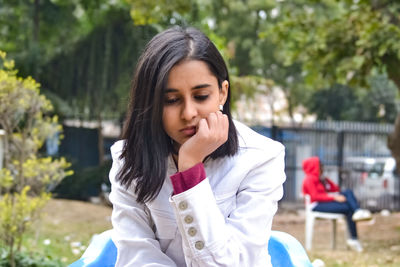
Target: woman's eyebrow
171 90
200 86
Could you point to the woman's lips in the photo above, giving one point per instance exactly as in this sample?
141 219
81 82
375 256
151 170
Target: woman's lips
189 131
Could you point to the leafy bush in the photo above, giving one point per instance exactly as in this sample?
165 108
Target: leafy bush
23 259
25 177
85 183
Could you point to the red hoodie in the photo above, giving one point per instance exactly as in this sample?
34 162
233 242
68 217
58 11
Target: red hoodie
313 186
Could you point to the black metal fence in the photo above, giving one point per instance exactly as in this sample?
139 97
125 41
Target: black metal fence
335 143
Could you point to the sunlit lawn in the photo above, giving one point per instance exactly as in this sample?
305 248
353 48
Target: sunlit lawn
67 228
380 238
379 249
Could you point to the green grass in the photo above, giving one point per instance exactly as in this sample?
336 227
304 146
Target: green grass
67 222
379 237
66 229
377 252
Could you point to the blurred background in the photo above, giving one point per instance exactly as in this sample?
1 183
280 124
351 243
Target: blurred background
322 77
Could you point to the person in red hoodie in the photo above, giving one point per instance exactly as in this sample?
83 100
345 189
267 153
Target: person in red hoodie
326 196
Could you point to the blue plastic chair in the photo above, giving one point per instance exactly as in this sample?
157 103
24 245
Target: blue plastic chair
101 252
284 249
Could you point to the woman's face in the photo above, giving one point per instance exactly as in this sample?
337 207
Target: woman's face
321 168
192 93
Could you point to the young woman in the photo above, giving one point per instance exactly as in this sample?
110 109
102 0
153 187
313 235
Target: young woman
326 197
190 187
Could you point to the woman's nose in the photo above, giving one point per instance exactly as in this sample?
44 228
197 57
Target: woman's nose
189 111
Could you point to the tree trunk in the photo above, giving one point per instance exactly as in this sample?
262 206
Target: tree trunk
12 239
394 142
36 21
35 37
100 140
101 94
290 107
392 63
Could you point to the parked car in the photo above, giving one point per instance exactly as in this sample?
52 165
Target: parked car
374 182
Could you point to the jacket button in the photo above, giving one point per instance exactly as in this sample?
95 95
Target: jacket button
188 219
192 231
183 205
199 245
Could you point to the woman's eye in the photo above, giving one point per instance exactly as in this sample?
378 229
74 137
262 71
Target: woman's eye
201 97
170 101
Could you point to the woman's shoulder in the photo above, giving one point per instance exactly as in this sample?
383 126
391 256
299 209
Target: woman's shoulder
116 149
249 140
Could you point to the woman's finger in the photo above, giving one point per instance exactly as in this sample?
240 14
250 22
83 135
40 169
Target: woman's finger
212 120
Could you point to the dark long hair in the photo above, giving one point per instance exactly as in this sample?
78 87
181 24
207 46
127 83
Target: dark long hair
147 145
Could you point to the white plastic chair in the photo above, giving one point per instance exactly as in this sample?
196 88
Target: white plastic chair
311 216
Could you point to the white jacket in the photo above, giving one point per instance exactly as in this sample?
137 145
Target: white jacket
223 221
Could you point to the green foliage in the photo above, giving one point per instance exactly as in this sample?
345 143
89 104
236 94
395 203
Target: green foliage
23 259
25 176
155 12
353 43
335 103
18 211
87 64
91 80
339 102
382 102
32 32
238 40
40 34
300 45
339 41
85 183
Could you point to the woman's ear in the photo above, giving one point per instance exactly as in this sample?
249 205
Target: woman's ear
223 94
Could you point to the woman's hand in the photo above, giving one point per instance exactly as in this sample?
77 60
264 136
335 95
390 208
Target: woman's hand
340 198
211 133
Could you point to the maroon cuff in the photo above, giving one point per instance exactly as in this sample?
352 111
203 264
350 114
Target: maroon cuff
182 181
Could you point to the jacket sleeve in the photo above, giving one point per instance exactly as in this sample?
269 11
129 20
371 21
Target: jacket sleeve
132 228
210 239
317 192
182 181
332 186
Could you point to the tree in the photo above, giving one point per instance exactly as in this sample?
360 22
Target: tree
340 102
74 49
341 42
93 77
248 54
26 175
337 102
32 32
381 101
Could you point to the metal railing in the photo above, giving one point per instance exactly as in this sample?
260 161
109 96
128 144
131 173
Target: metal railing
333 143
